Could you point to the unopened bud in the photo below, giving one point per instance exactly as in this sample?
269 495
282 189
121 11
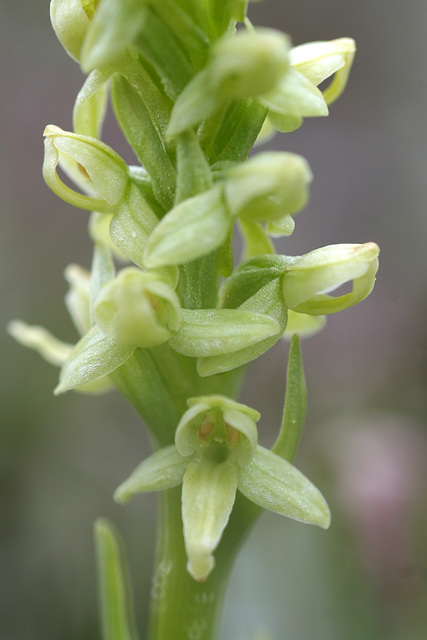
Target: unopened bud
70 22
137 309
268 186
249 64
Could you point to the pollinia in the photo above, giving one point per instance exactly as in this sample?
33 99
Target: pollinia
167 313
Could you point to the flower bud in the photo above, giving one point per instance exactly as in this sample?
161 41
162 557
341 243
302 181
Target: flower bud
308 279
113 29
268 186
244 65
102 170
249 64
70 23
137 309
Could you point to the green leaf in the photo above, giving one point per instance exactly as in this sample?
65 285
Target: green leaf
250 277
144 127
267 301
231 133
190 36
195 227
102 271
113 29
295 405
115 592
196 102
256 240
164 469
194 174
274 484
90 105
132 224
93 357
165 52
219 332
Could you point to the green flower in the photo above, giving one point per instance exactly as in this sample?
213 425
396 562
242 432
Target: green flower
215 453
137 309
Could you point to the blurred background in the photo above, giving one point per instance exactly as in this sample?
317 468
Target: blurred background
365 441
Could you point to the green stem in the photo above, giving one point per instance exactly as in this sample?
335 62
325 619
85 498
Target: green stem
181 608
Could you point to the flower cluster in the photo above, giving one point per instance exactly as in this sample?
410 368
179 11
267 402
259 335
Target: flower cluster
192 96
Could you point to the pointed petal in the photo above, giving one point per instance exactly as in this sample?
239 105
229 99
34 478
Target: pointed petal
50 348
208 495
164 469
276 485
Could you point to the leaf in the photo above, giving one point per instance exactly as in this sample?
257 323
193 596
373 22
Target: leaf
132 224
90 105
195 103
219 332
295 405
195 227
145 130
116 601
256 240
93 357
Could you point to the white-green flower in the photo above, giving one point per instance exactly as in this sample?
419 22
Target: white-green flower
137 309
215 453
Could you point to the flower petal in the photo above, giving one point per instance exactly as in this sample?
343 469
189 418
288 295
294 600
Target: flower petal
164 469
276 485
208 495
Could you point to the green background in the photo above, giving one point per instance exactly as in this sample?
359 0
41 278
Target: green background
365 441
